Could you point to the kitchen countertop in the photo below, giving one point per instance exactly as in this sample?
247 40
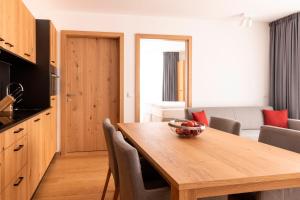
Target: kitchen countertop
18 117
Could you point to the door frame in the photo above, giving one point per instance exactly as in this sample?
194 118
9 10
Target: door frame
188 43
65 34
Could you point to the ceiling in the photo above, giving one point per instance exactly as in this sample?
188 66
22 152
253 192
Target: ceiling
260 10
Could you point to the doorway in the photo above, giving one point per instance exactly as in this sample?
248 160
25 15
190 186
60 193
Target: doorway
163 76
91 88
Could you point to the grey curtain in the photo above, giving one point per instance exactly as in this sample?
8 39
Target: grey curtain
170 76
285 64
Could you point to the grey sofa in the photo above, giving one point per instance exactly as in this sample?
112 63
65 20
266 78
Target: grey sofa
251 118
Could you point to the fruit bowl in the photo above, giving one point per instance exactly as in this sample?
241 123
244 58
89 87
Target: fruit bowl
186 128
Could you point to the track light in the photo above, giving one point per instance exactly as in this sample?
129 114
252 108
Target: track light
246 21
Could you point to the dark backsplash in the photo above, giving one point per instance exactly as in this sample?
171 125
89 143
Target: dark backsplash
4 77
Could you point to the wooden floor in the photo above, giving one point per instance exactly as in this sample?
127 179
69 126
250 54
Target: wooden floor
76 176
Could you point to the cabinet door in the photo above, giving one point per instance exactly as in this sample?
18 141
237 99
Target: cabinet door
35 154
53 45
17 189
31 37
10 25
26 42
15 158
53 124
46 128
2 23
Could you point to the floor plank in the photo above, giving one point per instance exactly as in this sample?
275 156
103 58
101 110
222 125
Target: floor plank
76 176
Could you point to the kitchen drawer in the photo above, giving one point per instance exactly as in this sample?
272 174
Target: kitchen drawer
15 157
14 134
17 188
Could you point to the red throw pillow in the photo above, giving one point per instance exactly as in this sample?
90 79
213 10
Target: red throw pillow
277 118
200 117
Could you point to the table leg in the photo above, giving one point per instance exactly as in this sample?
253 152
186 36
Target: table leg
181 194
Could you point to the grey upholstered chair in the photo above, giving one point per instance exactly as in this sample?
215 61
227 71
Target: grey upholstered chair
226 125
151 178
287 139
109 129
131 181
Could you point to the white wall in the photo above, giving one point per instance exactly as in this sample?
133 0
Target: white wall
230 63
151 71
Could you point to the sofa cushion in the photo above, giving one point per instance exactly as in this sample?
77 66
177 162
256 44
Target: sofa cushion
250 117
250 134
223 112
277 118
200 117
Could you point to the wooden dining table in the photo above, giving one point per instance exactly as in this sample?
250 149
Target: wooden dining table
213 163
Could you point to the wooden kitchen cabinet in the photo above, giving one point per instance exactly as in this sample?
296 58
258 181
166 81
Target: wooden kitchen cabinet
53 146
53 45
17 29
41 140
10 24
48 155
15 158
35 154
27 34
17 189
14 134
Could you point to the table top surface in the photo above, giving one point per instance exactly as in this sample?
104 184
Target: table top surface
214 158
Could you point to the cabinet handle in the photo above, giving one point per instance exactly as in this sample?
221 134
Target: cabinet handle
19 130
9 44
48 113
19 147
52 61
27 54
38 119
18 182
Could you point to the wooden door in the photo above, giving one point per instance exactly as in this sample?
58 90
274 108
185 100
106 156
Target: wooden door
92 90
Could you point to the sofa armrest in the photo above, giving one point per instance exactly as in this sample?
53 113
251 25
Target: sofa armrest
294 124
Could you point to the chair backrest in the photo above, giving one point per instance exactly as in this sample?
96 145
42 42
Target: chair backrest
280 137
226 125
131 181
109 130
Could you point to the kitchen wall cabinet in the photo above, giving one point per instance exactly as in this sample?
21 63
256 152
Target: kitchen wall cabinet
10 24
17 29
27 34
53 45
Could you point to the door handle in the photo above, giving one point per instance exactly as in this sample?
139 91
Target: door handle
20 179
71 95
9 44
19 147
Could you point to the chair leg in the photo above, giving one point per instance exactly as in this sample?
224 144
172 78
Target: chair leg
106 184
116 194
